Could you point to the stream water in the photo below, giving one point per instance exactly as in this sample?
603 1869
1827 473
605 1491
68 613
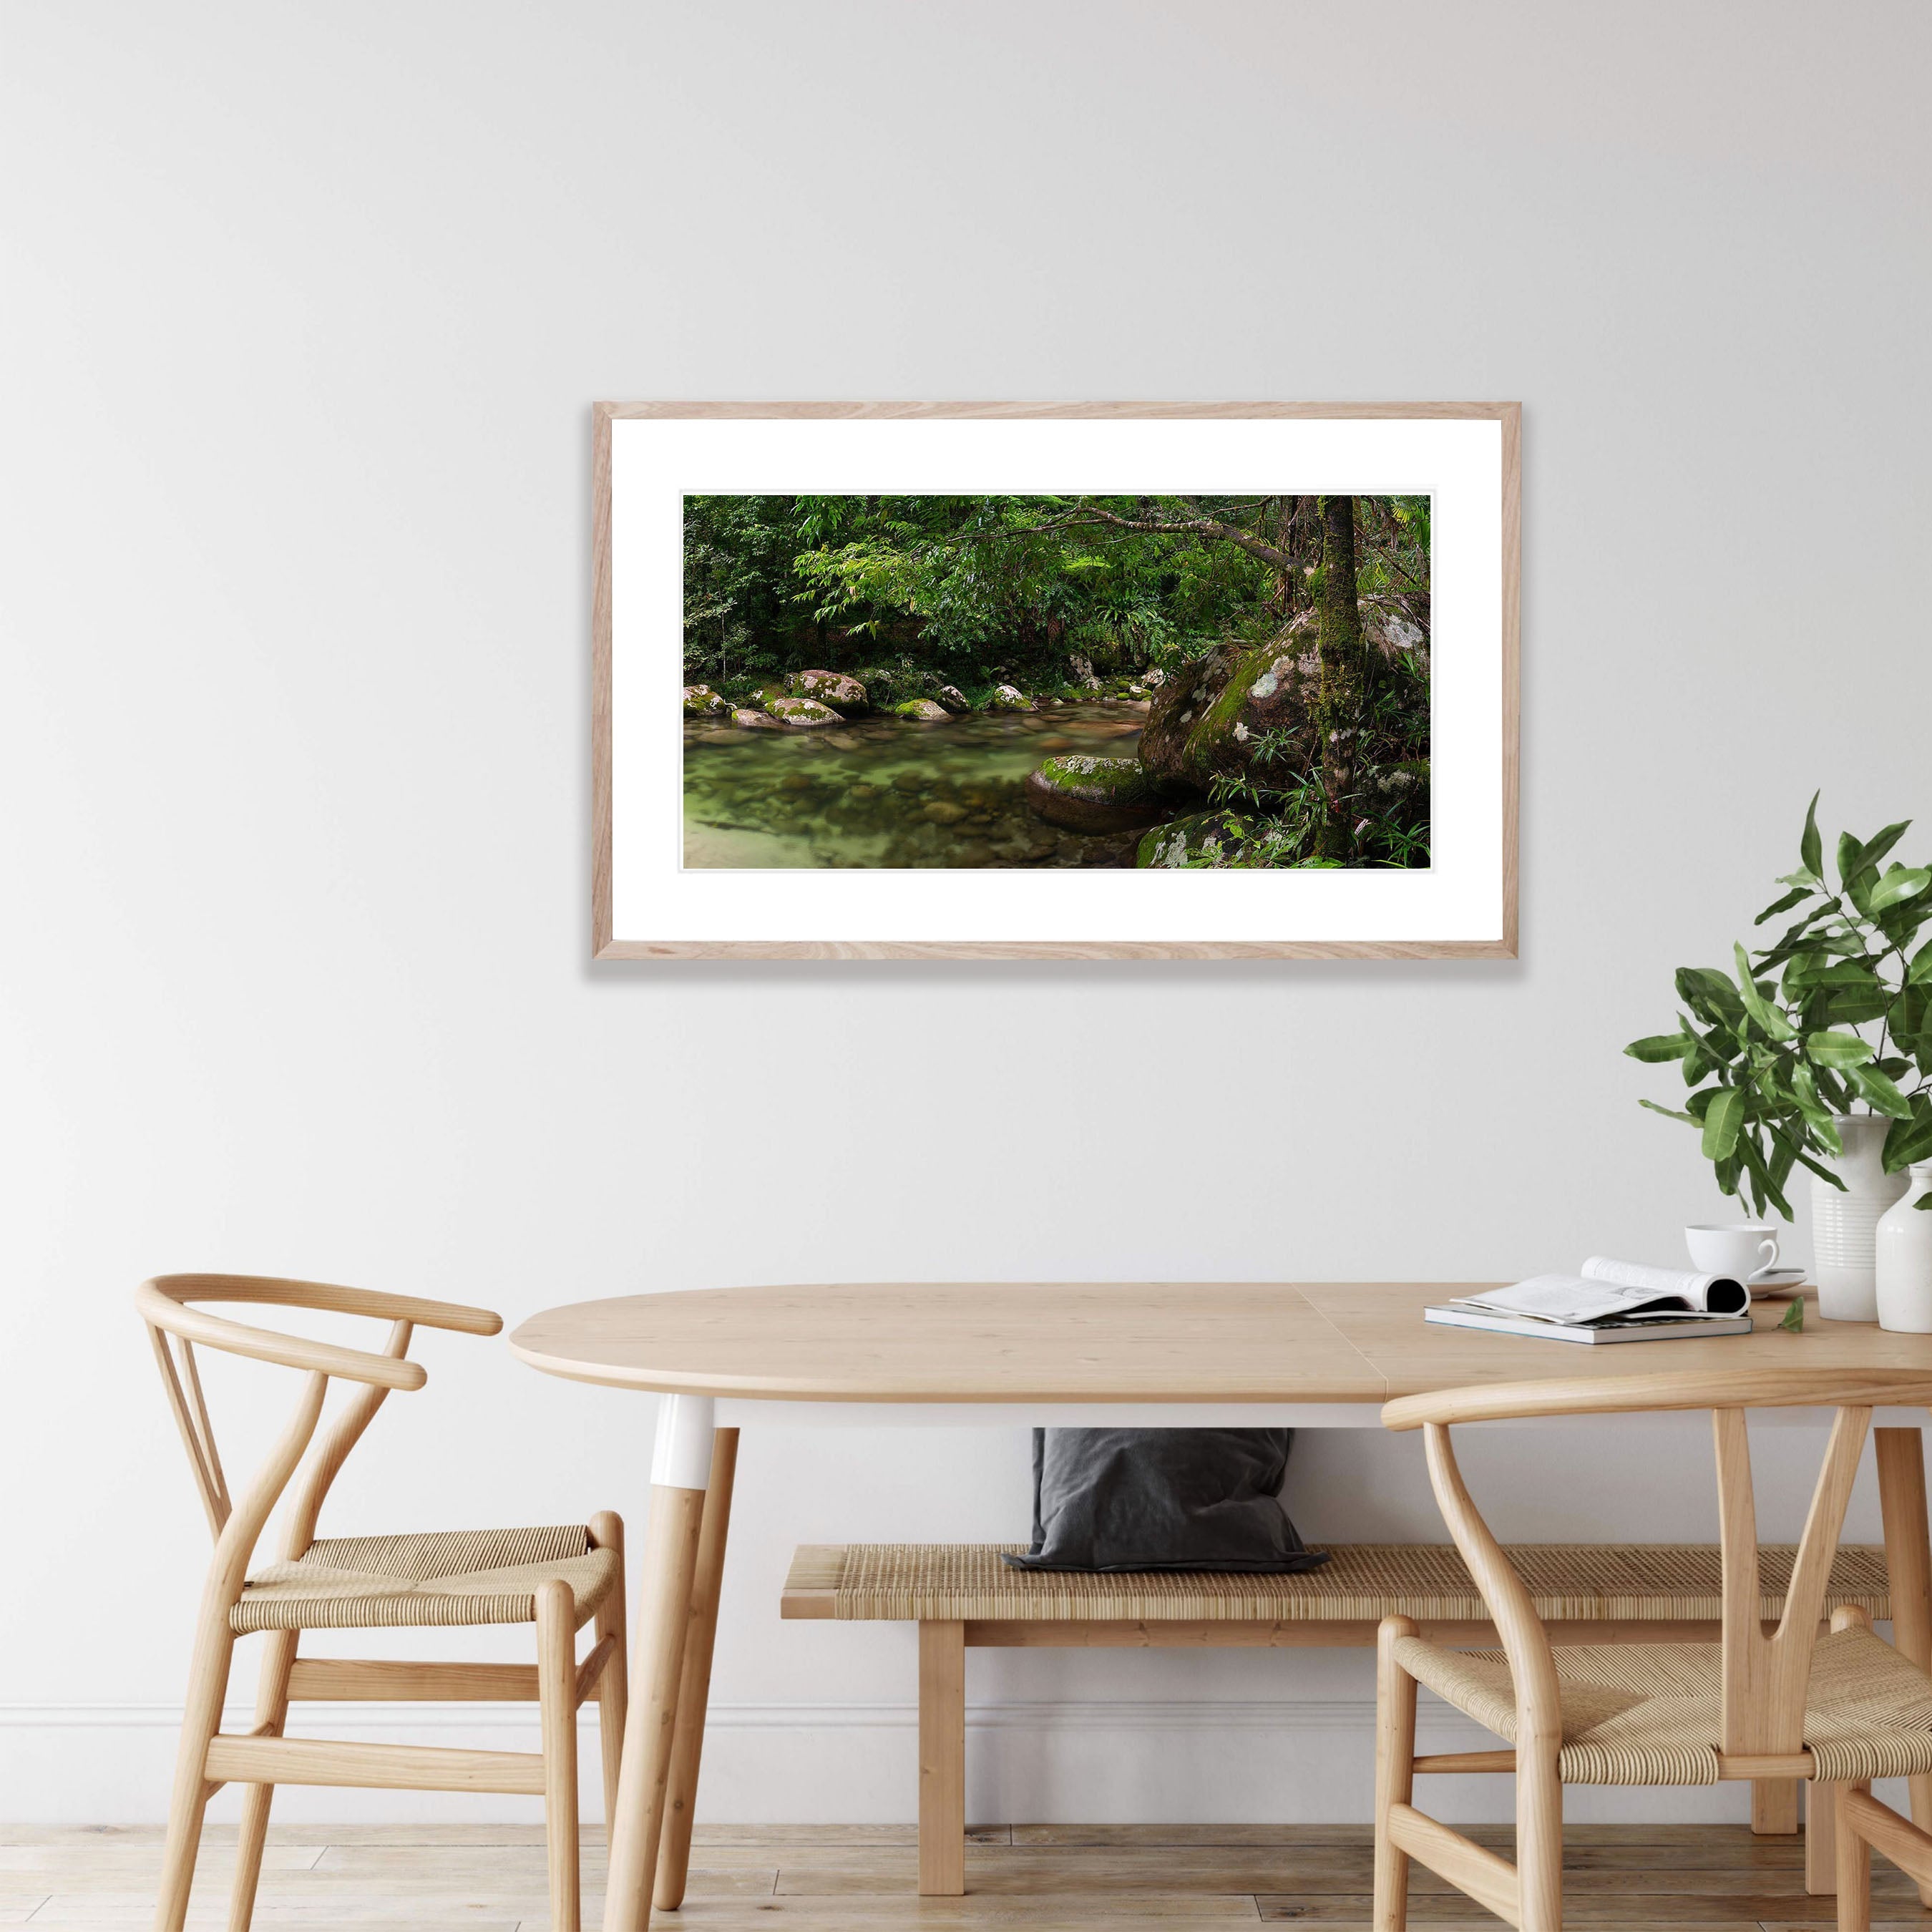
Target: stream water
882 792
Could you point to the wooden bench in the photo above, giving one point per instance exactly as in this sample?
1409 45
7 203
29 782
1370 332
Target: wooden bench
962 1597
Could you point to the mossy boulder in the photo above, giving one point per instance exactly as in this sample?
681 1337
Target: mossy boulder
922 711
1005 697
804 714
1210 716
701 701
1089 794
754 720
833 688
1200 838
953 698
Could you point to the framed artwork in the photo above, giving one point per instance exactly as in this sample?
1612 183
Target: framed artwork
1018 680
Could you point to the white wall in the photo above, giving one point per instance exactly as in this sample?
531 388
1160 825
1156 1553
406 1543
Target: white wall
306 309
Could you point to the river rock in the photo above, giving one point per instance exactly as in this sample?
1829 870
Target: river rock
1088 794
828 687
952 698
701 701
944 812
804 714
1082 669
1200 837
754 721
1210 716
1005 698
921 710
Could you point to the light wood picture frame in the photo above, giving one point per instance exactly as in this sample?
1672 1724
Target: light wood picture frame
652 461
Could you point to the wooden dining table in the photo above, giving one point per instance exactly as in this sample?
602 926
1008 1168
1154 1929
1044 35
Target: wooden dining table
1167 1355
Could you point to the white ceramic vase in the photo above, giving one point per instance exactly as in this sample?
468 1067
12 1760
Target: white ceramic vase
1904 1257
1844 1224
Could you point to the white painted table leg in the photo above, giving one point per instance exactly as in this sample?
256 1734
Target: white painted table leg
694 1697
680 1471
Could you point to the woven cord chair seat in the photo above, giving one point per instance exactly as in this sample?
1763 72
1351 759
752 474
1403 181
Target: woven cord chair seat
438 1579
1636 1714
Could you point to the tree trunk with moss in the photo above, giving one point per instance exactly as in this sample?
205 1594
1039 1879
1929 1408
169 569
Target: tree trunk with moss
1338 713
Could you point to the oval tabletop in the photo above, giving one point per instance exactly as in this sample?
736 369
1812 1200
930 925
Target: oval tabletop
1179 1341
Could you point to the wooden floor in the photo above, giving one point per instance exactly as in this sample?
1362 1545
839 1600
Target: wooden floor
1050 1878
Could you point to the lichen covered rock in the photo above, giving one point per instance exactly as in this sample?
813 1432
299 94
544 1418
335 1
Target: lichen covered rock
922 711
804 714
1408 780
1089 794
953 698
833 688
1201 838
754 720
1005 698
1210 716
701 701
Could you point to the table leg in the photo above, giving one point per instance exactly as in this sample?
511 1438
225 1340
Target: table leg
694 1690
680 1471
1908 1561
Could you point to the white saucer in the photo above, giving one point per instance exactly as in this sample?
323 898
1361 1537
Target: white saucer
1772 1280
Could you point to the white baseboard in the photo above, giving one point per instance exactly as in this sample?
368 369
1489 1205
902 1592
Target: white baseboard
1222 1762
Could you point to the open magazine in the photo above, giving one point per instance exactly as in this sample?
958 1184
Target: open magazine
1608 1300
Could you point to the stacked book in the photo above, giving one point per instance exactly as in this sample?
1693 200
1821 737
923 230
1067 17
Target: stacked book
1608 1301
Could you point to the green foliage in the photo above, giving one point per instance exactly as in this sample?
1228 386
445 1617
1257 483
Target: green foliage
777 583
1835 1014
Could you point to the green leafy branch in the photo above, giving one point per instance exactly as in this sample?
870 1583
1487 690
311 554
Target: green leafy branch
1834 1016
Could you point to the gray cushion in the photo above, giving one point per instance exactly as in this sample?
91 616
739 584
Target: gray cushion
1162 1499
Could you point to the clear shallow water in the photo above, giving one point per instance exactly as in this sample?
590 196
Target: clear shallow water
881 792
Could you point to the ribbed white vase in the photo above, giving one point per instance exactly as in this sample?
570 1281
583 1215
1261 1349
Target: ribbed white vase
1844 1224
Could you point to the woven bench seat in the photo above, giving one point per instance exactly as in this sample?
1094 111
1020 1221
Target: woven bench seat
1664 1595
1361 1583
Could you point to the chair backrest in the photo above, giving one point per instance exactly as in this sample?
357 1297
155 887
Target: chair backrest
175 1325
1764 1676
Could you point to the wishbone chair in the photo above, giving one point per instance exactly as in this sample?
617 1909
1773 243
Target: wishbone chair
557 1579
1784 1702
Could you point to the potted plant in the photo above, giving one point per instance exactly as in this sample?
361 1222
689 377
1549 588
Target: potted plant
1817 1051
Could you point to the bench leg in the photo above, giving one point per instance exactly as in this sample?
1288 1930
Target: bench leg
1908 1560
1773 1805
942 1759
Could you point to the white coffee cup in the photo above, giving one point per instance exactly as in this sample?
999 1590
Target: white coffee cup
1742 1250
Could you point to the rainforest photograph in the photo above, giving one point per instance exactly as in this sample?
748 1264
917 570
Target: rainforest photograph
1189 682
